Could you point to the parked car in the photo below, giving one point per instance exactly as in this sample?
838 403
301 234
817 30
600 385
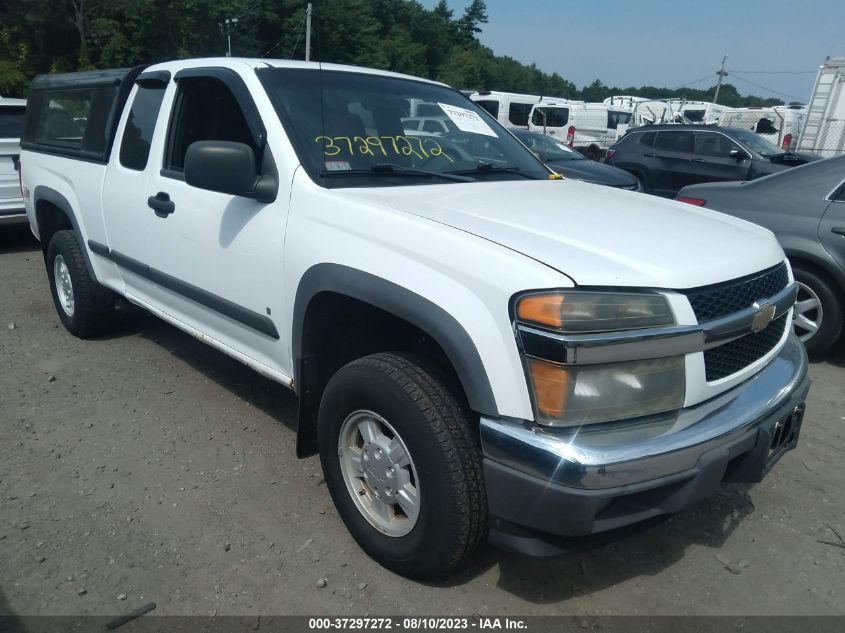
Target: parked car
704 112
668 157
805 208
11 128
479 352
571 164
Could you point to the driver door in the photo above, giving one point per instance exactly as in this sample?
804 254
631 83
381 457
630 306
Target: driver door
216 258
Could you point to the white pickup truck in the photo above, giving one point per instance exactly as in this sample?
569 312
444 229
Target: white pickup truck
480 349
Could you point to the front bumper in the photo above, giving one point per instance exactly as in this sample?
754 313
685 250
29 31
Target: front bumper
592 479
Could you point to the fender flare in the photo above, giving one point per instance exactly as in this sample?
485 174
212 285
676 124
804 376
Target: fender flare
52 196
436 322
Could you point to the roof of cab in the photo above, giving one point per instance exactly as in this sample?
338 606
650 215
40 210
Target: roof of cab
239 63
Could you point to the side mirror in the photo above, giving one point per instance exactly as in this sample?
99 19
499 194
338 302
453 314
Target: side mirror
227 167
738 154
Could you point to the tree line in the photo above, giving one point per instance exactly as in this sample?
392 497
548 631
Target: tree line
39 36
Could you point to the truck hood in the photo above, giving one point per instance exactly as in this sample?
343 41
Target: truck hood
597 236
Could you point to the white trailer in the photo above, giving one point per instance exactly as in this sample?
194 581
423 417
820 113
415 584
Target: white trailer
824 127
780 125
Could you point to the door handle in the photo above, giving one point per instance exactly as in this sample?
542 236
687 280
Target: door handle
649 155
161 204
839 230
697 160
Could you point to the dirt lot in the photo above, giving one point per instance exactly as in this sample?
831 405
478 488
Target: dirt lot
146 466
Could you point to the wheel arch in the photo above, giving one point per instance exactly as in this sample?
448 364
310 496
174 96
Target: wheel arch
819 265
53 212
412 312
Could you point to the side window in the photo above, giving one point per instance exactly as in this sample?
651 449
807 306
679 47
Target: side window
647 138
491 106
135 144
615 119
518 113
839 196
63 121
712 144
205 110
550 117
672 141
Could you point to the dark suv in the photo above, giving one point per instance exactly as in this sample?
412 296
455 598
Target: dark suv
668 157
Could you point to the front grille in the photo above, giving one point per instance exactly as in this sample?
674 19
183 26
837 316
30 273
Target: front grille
731 357
718 300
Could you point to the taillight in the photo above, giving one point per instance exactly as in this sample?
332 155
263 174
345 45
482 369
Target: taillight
787 141
20 174
698 202
610 153
570 136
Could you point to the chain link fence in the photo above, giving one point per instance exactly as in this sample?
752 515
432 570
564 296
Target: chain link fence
826 141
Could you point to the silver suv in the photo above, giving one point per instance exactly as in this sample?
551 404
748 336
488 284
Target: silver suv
11 128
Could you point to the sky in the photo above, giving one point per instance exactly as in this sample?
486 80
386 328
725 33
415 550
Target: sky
776 44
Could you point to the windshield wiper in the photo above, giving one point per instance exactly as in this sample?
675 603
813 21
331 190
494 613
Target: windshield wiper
398 170
490 168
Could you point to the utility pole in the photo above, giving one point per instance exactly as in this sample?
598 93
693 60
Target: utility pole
722 73
229 22
308 32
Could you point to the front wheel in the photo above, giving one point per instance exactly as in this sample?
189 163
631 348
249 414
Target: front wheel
403 465
817 315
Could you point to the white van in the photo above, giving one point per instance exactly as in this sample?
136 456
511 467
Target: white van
780 125
584 126
508 108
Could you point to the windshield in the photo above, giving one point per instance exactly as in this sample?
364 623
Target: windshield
548 149
365 134
757 143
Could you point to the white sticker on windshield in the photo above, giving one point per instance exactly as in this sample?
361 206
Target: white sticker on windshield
467 120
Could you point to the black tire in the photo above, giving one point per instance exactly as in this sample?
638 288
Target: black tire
452 520
830 327
93 305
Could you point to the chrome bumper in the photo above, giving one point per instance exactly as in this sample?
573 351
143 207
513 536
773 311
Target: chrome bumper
619 454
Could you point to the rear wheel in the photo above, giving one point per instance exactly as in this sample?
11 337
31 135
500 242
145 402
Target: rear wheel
403 465
817 316
84 306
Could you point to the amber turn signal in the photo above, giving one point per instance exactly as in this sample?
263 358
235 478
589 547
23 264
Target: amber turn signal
551 387
545 309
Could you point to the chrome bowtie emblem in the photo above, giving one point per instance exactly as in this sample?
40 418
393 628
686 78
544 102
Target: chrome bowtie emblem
762 317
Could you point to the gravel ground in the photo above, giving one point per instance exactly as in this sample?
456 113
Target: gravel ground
145 466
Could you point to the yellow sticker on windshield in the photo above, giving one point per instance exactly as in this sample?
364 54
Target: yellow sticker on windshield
382 146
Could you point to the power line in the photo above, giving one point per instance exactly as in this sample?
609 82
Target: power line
756 85
776 72
697 81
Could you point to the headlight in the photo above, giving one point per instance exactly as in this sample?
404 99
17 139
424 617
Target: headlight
570 394
573 395
583 312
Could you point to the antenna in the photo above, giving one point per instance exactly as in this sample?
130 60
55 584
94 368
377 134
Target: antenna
308 32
